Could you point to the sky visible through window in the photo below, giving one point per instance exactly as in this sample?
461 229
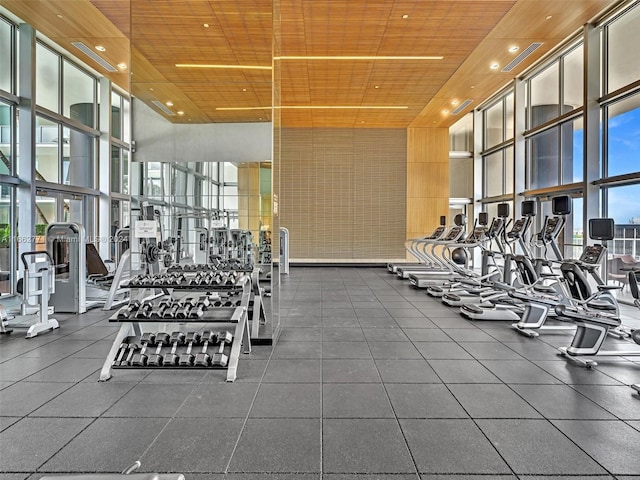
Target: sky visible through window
624 157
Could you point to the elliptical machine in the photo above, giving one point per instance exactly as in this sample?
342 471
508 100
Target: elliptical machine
594 313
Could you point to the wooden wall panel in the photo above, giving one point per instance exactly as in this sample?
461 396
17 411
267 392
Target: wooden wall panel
427 194
342 193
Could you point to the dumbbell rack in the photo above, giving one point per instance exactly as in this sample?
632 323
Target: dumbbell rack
256 305
131 329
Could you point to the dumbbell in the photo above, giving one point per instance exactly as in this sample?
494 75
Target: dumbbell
187 359
196 312
220 359
144 311
155 359
185 307
171 359
125 312
140 359
203 359
132 348
121 353
171 310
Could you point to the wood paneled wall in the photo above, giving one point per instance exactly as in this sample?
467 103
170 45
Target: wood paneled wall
427 194
343 193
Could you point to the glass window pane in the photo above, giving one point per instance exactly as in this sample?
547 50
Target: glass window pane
79 95
115 169
5 56
77 162
116 115
544 159
572 151
623 54
508 170
230 173
623 208
126 120
623 124
508 128
47 162
230 199
47 78
573 75
493 174
494 125
125 172
6 117
545 95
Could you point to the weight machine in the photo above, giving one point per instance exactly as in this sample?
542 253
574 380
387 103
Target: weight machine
37 286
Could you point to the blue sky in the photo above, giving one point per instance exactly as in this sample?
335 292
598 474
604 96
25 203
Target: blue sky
624 157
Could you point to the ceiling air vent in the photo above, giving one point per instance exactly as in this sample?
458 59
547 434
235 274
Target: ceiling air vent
94 56
462 106
161 106
520 58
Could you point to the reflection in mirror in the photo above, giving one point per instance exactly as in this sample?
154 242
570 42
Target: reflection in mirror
207 212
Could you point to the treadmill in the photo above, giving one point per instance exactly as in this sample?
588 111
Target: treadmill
427 250
452 271
412 246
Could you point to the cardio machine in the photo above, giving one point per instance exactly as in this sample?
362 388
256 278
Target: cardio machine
412 246
593 312
426 247
498 307
471 288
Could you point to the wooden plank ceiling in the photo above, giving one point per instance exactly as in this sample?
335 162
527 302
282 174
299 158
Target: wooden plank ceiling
469 35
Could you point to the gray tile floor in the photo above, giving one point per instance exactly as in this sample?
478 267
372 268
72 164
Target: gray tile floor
370 379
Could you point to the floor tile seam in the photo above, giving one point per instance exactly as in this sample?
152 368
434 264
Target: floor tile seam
474 420
73 384
608 472
253 401
34 348
86 427
395 415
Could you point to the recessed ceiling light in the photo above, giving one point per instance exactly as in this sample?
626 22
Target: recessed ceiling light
244 89
548 17
361 121
445 111
204 65
515 48
122 66
59 16
180 112
494 66
454 102
151 89
100 48
405 16
473 86
205 25
169 103
360 57
259 118
376 86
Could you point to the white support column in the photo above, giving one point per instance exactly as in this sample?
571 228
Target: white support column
592 167
104 169
478 132
519 143
26 191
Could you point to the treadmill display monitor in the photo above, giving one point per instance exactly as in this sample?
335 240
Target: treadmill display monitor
528 208
437 233
453 234
561 205
592 254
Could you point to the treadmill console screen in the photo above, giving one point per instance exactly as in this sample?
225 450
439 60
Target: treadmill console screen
453 234
437 233
517 227
592 254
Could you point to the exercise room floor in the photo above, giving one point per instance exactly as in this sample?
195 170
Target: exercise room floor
369 376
